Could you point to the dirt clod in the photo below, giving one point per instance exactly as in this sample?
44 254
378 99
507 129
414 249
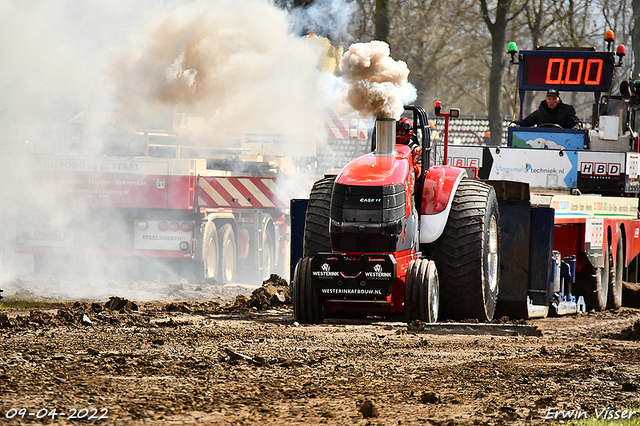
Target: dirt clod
429 398
631 294
177 307
4 321
273 293
631 333
368 409
116 303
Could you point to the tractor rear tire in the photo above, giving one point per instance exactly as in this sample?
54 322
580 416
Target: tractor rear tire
467 254
307 306
422 296
316 224
615 276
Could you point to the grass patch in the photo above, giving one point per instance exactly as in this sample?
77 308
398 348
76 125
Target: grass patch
25 304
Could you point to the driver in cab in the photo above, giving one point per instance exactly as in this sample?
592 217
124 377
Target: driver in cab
552 111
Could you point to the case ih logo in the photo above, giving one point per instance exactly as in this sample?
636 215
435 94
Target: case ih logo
600 169
369 200
326 272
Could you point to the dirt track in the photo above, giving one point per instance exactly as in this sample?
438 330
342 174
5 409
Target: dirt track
219 362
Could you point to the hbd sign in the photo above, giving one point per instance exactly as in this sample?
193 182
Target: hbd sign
600 169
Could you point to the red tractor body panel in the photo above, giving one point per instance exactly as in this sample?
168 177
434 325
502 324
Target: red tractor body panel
440 185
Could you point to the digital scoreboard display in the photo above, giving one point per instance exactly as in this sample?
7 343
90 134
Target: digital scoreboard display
571 71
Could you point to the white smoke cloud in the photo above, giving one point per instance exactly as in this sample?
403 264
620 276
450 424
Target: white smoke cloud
327 18
378 84
73 72
232 63
52 57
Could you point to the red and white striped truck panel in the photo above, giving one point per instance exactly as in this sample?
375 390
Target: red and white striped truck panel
250 192
345 128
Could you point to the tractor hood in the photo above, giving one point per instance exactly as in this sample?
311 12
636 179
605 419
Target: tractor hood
376 170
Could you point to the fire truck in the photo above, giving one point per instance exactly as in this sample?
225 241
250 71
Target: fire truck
214 214
567 220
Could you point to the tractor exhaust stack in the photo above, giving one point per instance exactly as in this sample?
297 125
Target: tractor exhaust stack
385 136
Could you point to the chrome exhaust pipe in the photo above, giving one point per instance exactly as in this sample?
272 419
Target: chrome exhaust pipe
385 136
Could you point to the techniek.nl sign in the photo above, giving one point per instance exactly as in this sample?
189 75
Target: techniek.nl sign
538 167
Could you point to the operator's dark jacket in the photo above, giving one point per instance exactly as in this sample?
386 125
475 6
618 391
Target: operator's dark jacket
563 115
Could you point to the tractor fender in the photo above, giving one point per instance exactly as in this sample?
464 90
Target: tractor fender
440 185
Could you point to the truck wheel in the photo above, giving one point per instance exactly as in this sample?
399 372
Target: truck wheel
307 307
267 257
316 223
422 295
593 284
467 254
615 276
209 251
228 253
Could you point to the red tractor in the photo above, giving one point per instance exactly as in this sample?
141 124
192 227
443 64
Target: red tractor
394 235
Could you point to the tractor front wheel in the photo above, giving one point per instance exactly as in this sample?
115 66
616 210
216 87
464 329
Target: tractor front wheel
422 296
307 306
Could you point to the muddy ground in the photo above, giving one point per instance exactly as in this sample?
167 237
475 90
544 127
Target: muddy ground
205 356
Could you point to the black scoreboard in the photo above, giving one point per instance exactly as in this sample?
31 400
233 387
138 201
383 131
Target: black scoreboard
570 71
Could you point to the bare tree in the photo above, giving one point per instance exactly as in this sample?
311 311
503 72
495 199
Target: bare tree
619 17
382 20
498 29
454 59
445 55
539 18
636 37
301 3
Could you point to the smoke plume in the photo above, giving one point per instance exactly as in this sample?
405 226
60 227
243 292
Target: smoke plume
326 18
77 76
377 84
231 64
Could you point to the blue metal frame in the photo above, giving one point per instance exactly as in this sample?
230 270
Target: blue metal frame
547 137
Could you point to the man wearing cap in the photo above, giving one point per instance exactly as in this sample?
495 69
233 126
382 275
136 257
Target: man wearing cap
552 111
